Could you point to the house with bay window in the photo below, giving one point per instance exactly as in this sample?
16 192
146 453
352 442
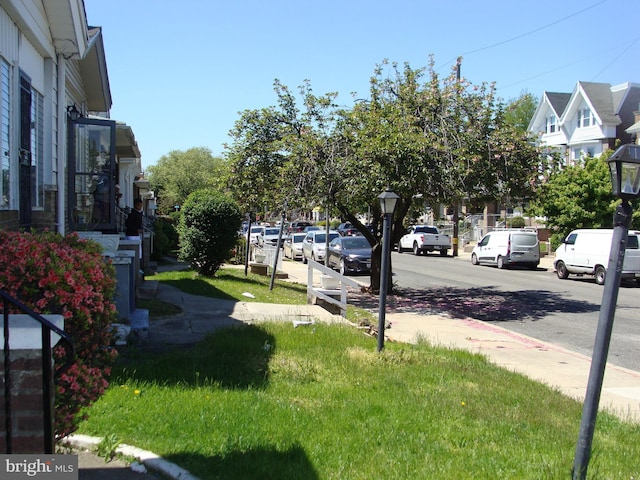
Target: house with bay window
586 122
65 165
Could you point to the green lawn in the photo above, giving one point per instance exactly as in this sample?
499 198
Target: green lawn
271 401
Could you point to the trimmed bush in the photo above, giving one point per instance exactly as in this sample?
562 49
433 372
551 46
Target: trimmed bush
208 230
165 238
65 275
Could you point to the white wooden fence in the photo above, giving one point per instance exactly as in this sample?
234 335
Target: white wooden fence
329 293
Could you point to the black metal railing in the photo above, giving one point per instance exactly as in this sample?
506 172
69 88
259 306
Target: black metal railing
48 375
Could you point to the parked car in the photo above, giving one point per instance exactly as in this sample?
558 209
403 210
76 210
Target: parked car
586 252
424 239
256 231
347 229
350 254
298 226
504 248
269 236
313 245
292 247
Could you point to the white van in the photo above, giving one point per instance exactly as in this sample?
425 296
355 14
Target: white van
508 247
586 252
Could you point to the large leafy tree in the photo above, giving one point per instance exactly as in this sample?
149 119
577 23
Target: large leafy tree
440 141
256 158
179 173
577 196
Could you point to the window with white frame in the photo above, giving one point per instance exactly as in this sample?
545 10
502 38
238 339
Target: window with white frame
585 118
551 124
5 99
577 153
37 144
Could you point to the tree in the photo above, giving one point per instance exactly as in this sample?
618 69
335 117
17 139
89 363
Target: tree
179 173
577 196
520 111
441 141
208 229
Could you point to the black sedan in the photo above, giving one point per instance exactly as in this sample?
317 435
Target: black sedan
350 255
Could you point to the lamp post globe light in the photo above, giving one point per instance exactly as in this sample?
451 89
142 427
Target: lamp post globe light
388 201
624 165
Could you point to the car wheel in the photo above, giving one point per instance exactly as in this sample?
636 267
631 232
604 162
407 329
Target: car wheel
443 253
304 259
474 259
343 269
400 249
416 250
501 263
561 270
601 274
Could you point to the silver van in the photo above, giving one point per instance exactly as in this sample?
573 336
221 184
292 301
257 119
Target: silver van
505 248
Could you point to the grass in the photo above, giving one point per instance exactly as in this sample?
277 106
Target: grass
271 401
231 283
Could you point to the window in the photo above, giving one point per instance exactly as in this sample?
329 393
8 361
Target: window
37 145
585 118
91 174
551 124
5 99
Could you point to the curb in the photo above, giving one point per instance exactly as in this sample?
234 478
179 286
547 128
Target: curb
149 459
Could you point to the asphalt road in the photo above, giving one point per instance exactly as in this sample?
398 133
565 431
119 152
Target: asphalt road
534 303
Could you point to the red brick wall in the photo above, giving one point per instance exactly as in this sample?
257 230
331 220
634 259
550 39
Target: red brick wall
27 419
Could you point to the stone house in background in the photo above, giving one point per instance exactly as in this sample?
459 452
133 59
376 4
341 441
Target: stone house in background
586 122
65 165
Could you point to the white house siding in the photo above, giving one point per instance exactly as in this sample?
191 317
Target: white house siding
75 85
9 35
26 44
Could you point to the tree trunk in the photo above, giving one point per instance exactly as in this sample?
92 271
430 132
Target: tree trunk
376 265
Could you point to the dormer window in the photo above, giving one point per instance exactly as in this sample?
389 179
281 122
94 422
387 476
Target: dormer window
551 124
585 118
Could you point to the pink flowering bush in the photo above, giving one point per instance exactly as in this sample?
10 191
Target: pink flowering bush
68 276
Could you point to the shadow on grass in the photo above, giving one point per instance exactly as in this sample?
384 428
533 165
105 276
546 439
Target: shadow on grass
242 464
196 286
232 358
484 303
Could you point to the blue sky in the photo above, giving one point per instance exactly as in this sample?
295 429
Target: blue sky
180 72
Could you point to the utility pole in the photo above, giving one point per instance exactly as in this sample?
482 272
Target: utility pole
456 232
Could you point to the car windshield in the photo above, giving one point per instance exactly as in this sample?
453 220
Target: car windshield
256 229
298 238
355 242
322 237
272 231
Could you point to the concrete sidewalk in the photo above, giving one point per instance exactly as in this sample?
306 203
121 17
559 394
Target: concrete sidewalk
544 362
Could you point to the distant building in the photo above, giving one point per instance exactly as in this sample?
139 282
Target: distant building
587 121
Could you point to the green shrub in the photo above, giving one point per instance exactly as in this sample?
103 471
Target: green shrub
65 275
165 238
516 222
208 230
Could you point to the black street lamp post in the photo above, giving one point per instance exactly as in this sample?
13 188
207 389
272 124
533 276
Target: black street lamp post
388 201
625 177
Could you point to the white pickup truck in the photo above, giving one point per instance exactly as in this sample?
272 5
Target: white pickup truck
424 238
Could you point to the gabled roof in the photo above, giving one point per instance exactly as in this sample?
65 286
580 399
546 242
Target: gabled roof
558 101
601 99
